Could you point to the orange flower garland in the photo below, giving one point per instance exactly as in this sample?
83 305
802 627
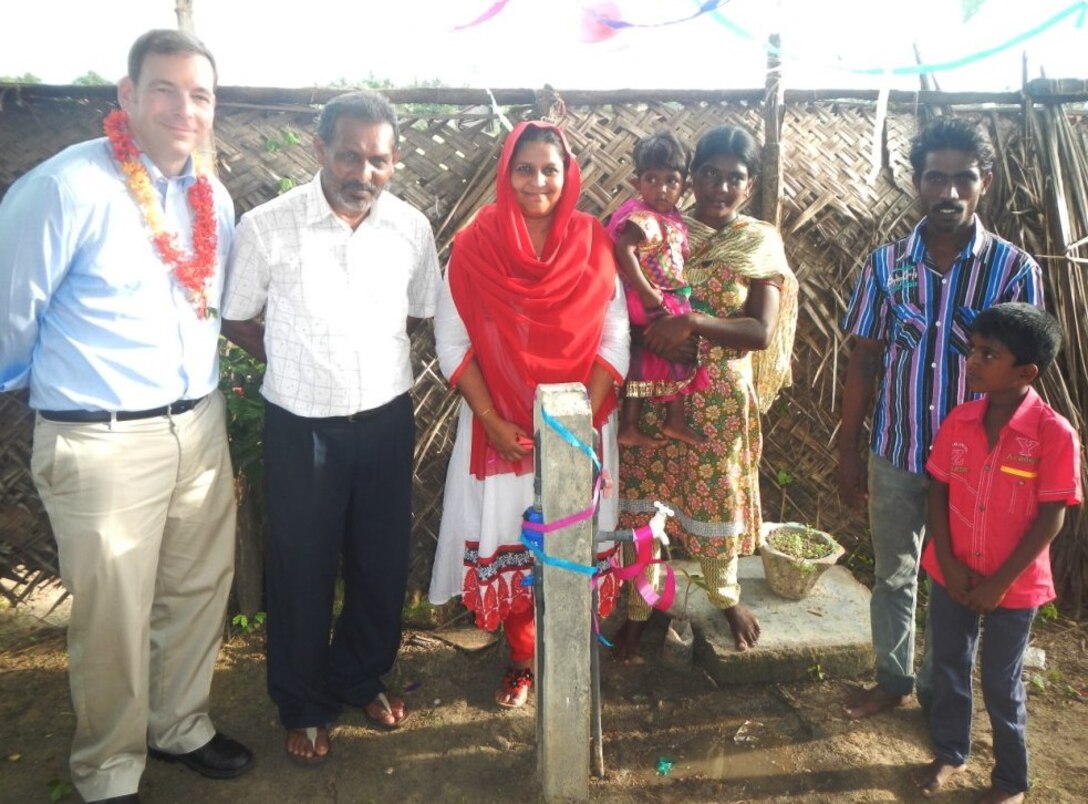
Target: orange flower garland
192 273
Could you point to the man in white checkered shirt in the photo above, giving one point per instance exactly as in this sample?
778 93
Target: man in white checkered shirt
343 274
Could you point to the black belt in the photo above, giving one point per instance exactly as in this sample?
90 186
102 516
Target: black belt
363 415
99 416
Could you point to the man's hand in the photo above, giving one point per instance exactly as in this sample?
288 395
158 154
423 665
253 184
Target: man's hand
853 480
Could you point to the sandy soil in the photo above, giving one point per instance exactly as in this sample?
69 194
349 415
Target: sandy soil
730 744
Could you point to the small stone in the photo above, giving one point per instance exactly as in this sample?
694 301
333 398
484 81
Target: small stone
388 771
1035 658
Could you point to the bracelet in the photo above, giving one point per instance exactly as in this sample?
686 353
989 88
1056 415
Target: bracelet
481 415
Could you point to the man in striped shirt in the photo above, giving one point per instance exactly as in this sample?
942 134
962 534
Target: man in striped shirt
910 313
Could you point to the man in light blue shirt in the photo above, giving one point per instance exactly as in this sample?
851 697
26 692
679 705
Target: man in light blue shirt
111 258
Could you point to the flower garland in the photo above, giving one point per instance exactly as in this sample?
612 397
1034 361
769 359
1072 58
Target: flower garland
192 273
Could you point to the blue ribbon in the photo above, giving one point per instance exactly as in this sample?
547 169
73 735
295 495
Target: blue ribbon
570 437
534 541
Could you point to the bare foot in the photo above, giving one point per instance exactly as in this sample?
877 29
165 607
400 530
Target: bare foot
873 701
995 795
625 643
683 433
744 625
633 437
308 746
930 777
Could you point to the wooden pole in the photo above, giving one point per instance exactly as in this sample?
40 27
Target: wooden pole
563 677
771 181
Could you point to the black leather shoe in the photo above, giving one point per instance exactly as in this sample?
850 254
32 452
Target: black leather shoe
219 758
131 798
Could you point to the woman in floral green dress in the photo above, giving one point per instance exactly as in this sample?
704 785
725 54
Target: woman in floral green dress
743 322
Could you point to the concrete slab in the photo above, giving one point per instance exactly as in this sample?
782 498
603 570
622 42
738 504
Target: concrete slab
826 633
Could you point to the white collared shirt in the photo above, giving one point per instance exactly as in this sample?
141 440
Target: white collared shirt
335 300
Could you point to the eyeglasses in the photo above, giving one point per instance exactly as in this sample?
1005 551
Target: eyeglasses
715 178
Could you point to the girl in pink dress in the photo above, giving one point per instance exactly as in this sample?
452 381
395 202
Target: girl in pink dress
651 246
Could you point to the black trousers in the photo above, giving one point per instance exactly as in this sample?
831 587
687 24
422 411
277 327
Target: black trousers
339 492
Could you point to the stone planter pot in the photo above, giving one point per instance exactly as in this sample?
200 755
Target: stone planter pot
792 577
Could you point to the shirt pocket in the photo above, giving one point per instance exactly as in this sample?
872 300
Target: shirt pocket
1019 486
959 337
908 327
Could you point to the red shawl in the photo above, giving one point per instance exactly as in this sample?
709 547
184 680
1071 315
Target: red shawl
530 320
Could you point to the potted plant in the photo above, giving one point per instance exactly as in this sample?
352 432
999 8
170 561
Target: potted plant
795 556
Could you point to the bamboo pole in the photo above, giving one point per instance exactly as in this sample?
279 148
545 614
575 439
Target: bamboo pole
771 180
184 10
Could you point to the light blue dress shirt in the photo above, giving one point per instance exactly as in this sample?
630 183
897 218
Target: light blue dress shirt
90 316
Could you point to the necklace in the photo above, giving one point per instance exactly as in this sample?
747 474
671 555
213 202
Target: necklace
194 272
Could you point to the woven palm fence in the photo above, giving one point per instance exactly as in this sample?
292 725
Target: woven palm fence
846 188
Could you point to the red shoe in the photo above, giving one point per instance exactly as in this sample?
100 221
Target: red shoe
514 692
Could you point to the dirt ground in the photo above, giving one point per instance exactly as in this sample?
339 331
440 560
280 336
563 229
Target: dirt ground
730 744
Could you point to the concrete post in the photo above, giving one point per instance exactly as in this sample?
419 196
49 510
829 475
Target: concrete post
565 474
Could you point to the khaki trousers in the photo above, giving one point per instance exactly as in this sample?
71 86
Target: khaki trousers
143 513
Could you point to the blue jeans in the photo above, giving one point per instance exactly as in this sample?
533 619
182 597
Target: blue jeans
897 519
954 634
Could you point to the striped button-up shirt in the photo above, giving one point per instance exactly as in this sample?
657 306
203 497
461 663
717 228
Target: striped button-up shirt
924 318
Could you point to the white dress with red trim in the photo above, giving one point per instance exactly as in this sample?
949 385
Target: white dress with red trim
480 555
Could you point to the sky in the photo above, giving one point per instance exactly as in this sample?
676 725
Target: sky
827 44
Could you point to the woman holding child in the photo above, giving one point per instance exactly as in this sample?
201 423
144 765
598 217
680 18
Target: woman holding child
744 314
530 297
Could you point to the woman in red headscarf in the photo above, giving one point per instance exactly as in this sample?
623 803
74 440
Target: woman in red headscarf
530 297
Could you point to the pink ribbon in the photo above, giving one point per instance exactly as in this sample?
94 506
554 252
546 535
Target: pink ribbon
644 557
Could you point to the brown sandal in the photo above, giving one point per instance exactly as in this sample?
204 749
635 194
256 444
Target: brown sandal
516 684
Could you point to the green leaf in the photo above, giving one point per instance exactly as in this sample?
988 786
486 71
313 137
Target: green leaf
59 790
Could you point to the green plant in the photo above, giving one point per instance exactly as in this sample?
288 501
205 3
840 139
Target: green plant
285 184
816 672
693 580
286 139
784 479
59 789
240 377
802 544
247 625
1046 614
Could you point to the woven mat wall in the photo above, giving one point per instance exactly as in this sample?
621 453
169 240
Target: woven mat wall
837 207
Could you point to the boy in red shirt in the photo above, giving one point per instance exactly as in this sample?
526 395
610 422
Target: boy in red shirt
1004 468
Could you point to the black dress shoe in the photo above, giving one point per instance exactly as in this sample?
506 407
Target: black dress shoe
219 758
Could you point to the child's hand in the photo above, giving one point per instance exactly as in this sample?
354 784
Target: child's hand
651 299
958 579
986 596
